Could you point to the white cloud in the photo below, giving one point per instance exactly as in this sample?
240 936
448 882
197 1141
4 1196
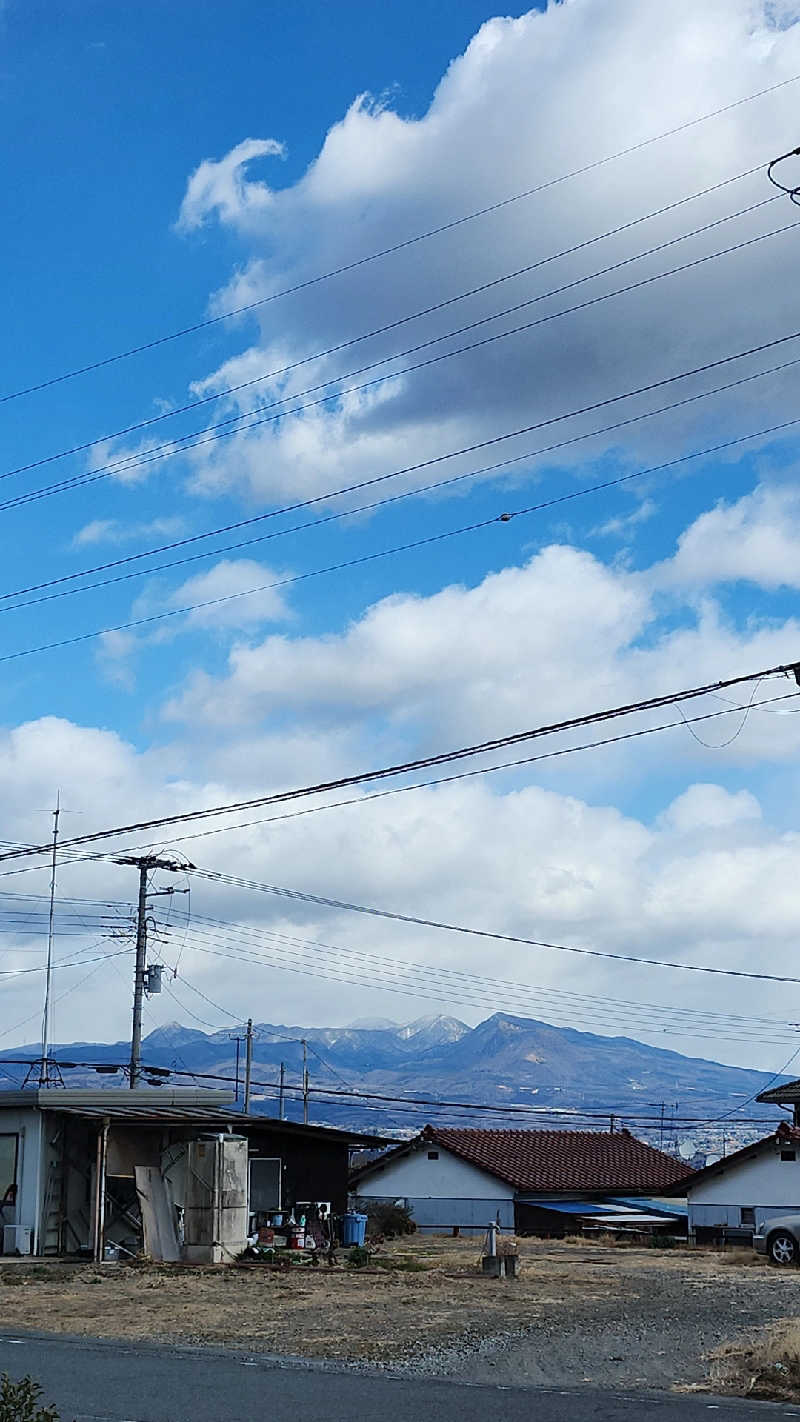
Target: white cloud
708 807
561 635
756 540
222 188
379 177
114 530
711 880
622 524
223 585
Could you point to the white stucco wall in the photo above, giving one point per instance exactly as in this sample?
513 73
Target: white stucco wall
765 1184
447 1178
444 1192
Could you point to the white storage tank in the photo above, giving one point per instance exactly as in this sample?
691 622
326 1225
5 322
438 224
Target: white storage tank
216 1207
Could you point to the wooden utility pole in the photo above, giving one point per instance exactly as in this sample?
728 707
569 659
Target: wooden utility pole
305 1082
248 1065
145 864
281 1116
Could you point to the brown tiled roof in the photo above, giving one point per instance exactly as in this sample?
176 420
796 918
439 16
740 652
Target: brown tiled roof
545 1162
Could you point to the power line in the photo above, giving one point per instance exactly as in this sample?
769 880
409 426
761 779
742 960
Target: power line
299 895
792 192
424 762
407 977
399 246
179 444
337 515
505 517
73 963
423 784
79 480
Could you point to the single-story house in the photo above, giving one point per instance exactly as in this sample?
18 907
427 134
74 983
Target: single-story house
70 1160
529 1181
735 1195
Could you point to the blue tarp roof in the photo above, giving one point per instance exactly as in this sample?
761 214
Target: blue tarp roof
566 1207
603 1207
657 1206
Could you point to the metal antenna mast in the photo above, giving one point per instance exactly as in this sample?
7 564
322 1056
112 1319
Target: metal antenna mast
44 1071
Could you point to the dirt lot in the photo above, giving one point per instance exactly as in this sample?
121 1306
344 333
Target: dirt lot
578 1313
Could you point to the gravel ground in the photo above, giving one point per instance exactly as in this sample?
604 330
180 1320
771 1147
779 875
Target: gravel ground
579 1314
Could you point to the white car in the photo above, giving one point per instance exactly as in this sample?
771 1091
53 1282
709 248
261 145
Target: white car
779 1239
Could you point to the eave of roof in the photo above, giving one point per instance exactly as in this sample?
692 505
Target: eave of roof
787 1093
210 1118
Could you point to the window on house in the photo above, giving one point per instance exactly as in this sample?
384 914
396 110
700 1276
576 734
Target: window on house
788 1155
433 1155
8 1167
748 1216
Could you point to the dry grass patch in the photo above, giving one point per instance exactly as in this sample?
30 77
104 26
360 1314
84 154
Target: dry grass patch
767 1366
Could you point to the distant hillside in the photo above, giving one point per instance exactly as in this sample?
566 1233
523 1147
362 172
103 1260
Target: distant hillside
505 1061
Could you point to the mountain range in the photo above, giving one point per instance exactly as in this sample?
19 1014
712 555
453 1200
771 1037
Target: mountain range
505 1062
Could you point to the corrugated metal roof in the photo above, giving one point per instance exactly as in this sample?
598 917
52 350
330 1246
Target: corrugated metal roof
788 1092
208 1117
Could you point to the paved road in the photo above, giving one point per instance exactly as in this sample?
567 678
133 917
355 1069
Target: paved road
106 1382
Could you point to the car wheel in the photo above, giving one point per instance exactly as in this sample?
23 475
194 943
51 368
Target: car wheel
783 1248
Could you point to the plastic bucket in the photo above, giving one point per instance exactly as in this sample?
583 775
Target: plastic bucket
354 1228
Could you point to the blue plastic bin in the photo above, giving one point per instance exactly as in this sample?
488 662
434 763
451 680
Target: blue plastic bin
354 1228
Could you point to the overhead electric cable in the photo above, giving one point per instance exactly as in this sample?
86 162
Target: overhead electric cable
469 774
791 192
408 767
180 443
484 991
486 443
302 896
73 963
339 514
110 856
448 226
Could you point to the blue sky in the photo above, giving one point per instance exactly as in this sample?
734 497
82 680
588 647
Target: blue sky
145 192
106 112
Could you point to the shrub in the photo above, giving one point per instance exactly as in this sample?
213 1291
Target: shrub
18 1401
357 1257
386 1219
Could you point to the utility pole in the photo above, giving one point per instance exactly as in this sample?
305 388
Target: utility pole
44 1072
145 863
281 1116
248 1065
305 1082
